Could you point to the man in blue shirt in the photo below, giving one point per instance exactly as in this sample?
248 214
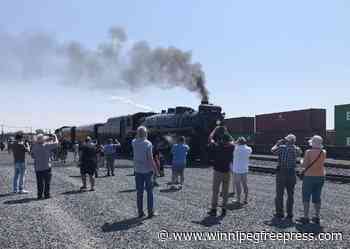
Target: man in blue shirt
179 152
110 151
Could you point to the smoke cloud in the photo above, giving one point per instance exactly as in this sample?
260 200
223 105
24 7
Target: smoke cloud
114 64
132 103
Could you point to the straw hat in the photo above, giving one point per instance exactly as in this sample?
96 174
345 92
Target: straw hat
316 142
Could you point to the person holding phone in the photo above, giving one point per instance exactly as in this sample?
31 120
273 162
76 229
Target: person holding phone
41 152
287 153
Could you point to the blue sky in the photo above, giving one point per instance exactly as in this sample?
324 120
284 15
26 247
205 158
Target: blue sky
259 56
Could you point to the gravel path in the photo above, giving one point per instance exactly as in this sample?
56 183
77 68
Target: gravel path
106 218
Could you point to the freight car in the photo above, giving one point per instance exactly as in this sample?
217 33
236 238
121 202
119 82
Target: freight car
303 123
122 128
243 126
342 124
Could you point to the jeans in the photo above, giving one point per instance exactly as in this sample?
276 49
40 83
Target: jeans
241 180
144 182
285 180
43 179
220 178
18 180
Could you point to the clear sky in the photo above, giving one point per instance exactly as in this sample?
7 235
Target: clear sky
259 56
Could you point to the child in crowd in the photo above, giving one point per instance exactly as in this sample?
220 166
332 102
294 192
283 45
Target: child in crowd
179 152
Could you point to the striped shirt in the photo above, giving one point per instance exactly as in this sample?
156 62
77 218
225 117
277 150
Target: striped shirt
287 156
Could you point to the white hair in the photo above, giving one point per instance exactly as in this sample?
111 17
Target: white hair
141 132
316 142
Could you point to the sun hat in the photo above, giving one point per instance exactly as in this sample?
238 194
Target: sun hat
316 142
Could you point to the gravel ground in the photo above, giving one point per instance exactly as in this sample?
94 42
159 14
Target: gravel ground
106 218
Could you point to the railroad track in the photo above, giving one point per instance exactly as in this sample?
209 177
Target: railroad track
327 164
271 170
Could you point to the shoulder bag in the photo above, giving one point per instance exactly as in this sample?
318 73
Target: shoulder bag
302 173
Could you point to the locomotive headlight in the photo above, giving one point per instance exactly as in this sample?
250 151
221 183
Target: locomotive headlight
218 122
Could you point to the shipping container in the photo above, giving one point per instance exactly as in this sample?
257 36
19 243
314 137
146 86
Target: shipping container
343 137
245 125
272 138
305 121
330 137
249 136
342 117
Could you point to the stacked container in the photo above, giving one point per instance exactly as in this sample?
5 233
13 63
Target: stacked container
342 124
303 123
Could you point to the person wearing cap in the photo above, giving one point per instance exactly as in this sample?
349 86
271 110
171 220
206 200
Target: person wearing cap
110 151
222 154
314 178
145 167
287 153
240 167
88 163
41 152
19 149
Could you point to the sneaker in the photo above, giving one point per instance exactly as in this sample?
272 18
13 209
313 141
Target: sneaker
151 214
23 191
289 219
212 212
223 212
83 188
316 220
278 216
92 189
141 215
304 220
15 192
47 197
39 198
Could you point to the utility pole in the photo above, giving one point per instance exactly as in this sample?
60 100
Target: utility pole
2 132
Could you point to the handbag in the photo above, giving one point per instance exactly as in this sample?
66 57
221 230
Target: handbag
302 173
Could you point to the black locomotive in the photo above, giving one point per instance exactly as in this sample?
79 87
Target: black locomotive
163 128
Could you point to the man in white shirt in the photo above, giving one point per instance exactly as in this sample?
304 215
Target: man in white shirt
240 168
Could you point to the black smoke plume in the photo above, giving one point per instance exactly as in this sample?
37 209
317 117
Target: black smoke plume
114 64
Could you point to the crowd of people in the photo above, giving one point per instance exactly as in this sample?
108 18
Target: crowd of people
229 158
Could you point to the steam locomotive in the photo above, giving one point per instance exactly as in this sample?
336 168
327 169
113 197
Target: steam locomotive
163 129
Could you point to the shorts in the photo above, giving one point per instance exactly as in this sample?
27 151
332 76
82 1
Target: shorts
88 168
312 188
178 171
